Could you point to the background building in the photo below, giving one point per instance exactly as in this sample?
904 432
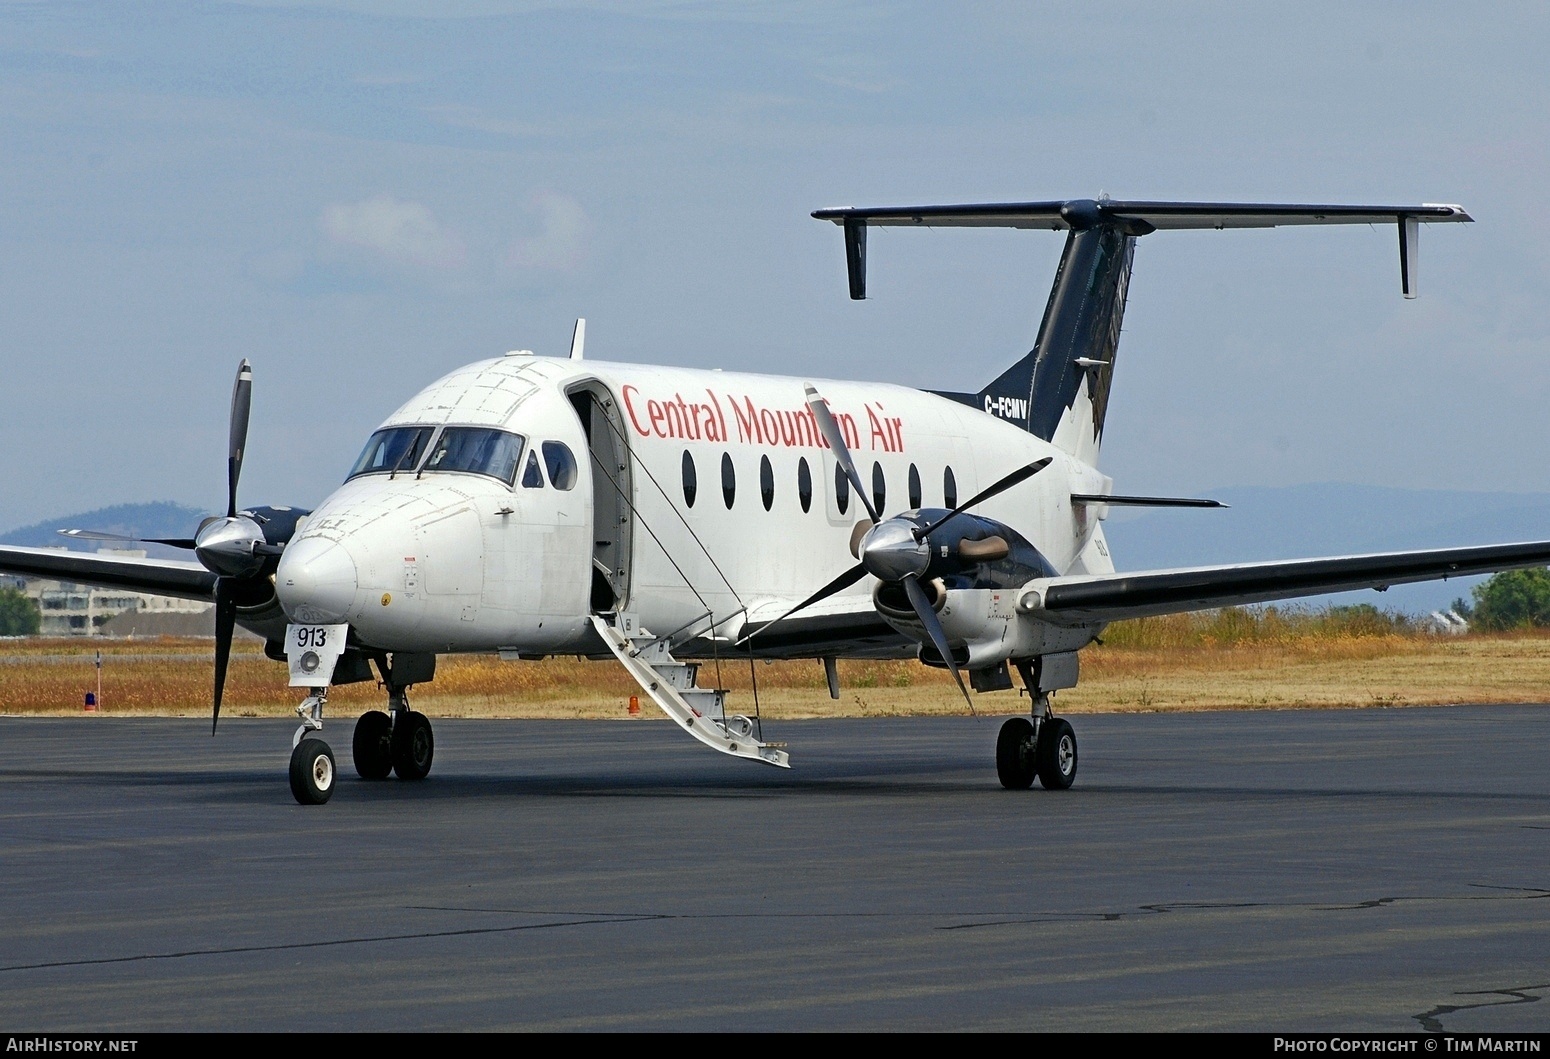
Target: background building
70 609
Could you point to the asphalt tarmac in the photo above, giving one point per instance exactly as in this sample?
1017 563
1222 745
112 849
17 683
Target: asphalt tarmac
1379 869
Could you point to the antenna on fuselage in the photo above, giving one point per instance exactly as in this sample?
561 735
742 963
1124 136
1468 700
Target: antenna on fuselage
578 339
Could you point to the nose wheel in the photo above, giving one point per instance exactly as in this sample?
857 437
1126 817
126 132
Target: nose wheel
312 772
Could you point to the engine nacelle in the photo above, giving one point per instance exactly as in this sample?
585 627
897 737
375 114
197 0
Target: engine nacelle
983 625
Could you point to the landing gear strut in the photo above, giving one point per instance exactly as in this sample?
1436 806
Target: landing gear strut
1043 747
401 743
312 761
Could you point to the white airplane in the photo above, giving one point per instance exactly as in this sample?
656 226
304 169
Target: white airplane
663 516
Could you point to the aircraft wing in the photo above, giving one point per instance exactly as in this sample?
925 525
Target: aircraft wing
1088 599
842 626
161 577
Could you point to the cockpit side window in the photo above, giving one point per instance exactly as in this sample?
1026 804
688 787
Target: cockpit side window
476 450
392 449
532 477
561 464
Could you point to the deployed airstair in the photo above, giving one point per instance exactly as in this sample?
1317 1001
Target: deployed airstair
671 685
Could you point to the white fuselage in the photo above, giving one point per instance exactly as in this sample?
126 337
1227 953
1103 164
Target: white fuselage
451 562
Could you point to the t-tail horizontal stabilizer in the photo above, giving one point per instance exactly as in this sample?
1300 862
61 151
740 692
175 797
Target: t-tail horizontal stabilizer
1060 391
1132 218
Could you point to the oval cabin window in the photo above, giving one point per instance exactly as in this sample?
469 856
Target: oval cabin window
766 482
914 486
841 489
804 485
728 480
691 480
879 488
949 489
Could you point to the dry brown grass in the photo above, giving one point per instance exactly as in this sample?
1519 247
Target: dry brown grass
1229 659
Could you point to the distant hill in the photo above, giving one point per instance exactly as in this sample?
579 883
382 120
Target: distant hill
1330 519
161 519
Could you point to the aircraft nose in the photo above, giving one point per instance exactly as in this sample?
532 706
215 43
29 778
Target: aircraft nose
316 581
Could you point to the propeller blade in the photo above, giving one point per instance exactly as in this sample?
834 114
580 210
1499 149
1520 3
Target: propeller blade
241 405
836 438
225 625
933 626
839 584
104 535
1022 474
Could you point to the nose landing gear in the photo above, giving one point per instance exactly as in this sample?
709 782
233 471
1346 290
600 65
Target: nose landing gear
312 772
312 760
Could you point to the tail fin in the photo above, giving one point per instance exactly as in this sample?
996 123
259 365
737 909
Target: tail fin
1060 391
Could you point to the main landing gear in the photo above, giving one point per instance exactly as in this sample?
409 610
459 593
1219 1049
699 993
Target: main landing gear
1043 747
399 743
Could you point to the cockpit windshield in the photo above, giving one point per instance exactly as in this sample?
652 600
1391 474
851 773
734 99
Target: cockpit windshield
393 449
476 450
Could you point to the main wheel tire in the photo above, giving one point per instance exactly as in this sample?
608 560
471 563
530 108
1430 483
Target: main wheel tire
1014 754
413 746
1056 754
312 772
372 746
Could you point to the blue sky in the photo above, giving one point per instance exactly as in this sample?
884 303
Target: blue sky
359 197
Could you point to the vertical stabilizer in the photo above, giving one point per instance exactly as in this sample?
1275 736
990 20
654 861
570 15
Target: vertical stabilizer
1060 391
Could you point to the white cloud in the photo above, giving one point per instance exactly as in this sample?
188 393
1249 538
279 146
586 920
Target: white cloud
406 233
561 244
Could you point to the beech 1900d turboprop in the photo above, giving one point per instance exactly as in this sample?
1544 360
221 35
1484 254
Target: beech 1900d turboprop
662 516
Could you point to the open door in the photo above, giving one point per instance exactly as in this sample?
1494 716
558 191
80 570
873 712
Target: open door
613 490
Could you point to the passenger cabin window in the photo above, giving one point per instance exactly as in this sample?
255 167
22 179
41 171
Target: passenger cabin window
804 485
728 480
393 449
914 487
532 477
560 464
949 489
476 450
691 480
841 489
766 482
879 487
